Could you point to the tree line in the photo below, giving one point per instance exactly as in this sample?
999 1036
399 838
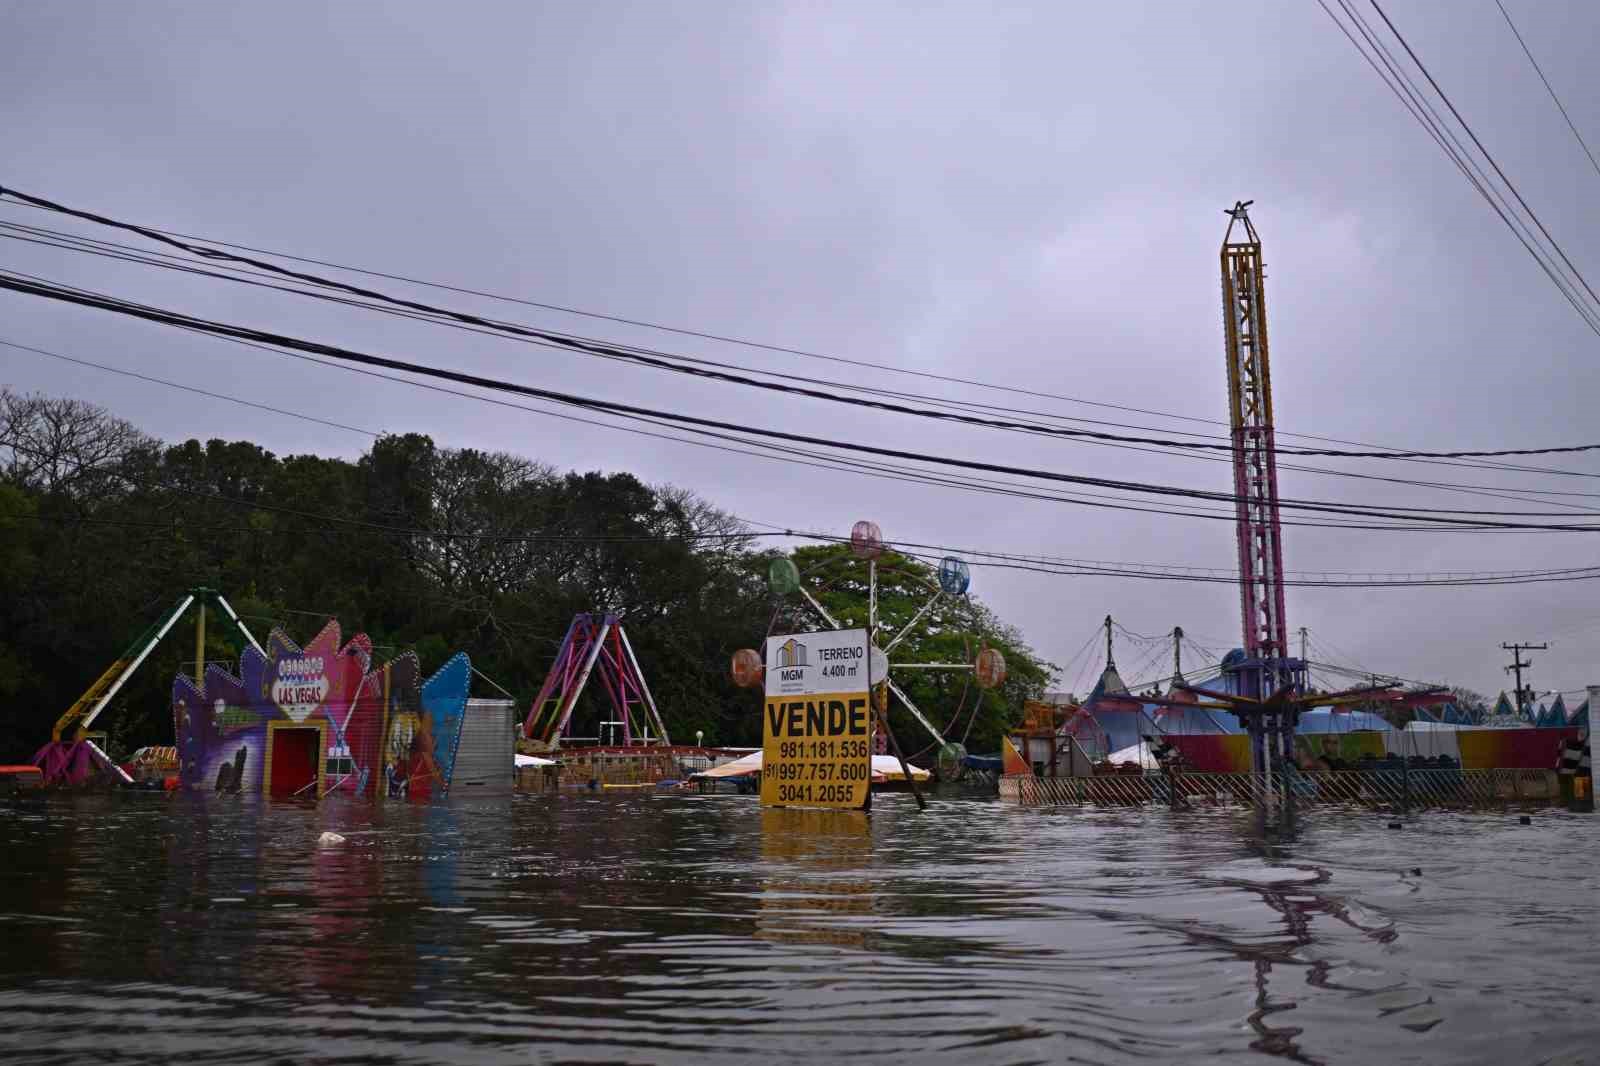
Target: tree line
425 548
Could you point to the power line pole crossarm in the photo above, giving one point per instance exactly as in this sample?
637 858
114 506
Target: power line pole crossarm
1519 664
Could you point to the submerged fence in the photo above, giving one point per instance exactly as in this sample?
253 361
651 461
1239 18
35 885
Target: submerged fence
1387 789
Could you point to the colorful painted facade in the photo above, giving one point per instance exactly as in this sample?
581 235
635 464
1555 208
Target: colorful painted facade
1467 749
318 719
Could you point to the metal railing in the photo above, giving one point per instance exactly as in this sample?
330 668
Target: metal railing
1386 789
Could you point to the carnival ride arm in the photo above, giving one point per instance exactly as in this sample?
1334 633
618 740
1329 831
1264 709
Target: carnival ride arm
89 705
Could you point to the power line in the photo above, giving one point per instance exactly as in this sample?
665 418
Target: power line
722 338
785 454
697 424
1549 88
188 388
1485 465
143 256
92 246
1586 309
1509 184
1497 492
1047 564
1410 95
658 361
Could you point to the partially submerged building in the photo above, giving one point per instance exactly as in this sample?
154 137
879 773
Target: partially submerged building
321 719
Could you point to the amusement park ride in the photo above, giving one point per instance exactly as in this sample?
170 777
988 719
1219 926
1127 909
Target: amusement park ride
72 733
1272 689
986 670
596 645
595 640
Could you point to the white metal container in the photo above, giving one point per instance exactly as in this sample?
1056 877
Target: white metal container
485 755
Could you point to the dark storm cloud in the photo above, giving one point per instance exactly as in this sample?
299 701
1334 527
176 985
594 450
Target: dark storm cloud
1029 195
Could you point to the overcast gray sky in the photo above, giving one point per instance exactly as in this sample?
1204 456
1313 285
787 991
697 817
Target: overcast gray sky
1024 194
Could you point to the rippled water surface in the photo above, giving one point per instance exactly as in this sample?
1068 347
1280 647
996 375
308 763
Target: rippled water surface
682 928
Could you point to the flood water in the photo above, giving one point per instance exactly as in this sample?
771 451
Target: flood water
681 928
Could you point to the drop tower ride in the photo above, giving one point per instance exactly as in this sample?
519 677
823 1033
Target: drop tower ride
1267 670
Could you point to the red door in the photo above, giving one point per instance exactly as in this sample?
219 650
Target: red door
294 761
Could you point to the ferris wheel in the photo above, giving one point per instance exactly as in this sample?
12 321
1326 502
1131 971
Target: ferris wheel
798 597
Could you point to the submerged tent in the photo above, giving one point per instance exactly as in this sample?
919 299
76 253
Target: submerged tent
1554 715
887 768
1327 720
1110 684
742 767
527 762
1123 720
1119 717
1139 753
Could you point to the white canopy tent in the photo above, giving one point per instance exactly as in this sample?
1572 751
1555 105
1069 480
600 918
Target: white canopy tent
1139 753
749 764
884 768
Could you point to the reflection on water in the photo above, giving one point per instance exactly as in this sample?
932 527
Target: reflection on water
649 928
822 860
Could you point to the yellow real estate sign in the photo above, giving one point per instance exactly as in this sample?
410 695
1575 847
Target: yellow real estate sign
817 723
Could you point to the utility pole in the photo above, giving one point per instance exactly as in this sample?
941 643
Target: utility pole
1518 664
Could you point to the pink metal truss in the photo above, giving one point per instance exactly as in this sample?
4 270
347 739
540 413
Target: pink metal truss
595 643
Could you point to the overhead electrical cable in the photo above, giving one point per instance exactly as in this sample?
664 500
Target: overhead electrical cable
1184 572
1420 509
1509 184
1486 465
79 243
1467 162
705 369
1449 517
1518 494
188 388
1549 88
1398 81
780 453
759 345
619 352
798 456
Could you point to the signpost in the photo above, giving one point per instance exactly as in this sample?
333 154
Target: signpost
817 723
